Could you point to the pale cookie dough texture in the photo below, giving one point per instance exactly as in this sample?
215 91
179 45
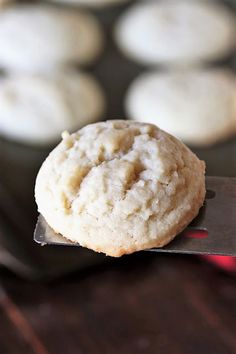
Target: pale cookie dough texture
35 109
198 107
120 186
176 32
92 3
40 38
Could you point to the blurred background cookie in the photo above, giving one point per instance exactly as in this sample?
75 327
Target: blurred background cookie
175 32
36 109
92 3
197 106
39 38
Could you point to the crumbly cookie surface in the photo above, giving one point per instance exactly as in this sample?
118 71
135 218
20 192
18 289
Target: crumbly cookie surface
120 186
197 106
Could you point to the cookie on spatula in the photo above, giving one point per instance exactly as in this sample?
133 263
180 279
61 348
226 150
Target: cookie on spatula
120 186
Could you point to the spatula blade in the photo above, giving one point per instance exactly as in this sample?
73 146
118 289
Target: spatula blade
215 224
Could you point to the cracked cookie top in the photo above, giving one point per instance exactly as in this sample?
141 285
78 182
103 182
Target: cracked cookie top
120 186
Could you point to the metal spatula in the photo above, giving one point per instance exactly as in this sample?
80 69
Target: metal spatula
213 231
